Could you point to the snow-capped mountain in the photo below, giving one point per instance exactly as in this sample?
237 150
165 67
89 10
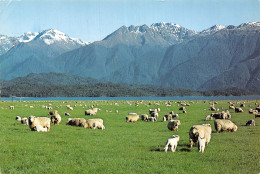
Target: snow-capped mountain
27 37
161 54
51 36
213 29
156 34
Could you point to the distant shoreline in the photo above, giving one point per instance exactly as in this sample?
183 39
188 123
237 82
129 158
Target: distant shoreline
254 97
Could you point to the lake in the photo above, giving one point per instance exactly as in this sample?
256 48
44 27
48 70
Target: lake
136 98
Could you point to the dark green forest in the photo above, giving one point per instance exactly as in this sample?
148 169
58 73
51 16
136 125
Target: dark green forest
55 85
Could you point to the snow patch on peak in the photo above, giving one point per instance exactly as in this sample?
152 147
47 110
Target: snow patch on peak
249 24
213 29
27 37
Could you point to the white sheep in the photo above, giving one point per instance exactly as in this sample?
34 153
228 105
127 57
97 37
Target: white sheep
18 118
24 121
98 125
132 118
42 121
173 142
224 125
197 131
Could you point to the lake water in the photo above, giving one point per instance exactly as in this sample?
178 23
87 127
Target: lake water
137 98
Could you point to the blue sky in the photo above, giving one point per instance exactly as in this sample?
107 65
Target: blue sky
92 20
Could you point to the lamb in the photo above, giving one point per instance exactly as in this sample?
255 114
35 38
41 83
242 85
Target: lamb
152 119
250 122
132 118
201 144
80 122
18 118
144 117
167 117
24 121
224 125
173 125
173 142
39 128
197 131
56 119
45 122
98 125
155 114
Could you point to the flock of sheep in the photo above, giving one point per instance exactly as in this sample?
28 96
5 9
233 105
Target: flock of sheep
198 134
43 124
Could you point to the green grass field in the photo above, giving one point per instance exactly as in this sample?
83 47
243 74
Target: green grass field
124 147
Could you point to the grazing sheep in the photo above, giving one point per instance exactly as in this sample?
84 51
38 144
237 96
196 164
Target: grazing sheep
98 125
257 115
167 117
221 115
237 109
53 112
182 108
201 144
41 121
173 142
90 123
171 112
152 119
56 119
173 125
66 114
155 114
144 117
258 108
184 111
132 118
208 117
250 122
90 112
80 122
197 131
18 118
11 107
224 125
231 107
175 115
24 121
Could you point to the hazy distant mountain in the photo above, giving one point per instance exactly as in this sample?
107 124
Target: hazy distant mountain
162 54
128 55
226 58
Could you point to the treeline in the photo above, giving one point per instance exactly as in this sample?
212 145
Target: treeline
108 90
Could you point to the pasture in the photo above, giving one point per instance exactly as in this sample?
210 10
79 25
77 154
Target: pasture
125 147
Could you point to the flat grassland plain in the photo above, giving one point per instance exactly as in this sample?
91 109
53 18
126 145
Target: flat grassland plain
125 147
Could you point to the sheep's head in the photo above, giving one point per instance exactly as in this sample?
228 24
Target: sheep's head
31 119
